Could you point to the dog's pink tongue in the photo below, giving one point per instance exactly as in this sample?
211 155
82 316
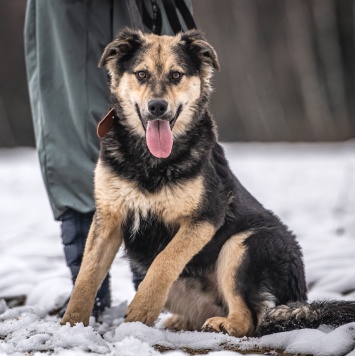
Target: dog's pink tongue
159 138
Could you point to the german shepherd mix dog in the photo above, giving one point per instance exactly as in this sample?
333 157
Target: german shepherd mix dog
211 254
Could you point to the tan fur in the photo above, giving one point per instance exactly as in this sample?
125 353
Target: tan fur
165 269
173 203
192 304
178 322
285 312
239 320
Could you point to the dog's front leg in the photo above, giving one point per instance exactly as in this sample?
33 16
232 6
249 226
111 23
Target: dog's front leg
165 269
102 244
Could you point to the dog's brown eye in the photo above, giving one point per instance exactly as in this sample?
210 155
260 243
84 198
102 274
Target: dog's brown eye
142 74
176 75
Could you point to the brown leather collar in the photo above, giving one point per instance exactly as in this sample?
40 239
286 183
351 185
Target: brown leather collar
105 125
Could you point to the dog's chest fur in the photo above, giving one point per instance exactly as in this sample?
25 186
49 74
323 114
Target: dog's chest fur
171 203
149 220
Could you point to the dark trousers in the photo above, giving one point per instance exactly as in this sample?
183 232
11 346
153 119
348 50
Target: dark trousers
75 228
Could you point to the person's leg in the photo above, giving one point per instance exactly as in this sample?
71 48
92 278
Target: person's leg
74 231
63 80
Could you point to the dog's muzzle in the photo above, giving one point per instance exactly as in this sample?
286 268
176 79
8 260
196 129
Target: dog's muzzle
158 125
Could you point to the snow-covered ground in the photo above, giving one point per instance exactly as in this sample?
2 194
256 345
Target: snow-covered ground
310 186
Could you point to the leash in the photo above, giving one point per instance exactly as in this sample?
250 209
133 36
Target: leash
186 14
139 15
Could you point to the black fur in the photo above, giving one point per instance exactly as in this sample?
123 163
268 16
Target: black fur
273 263
303 315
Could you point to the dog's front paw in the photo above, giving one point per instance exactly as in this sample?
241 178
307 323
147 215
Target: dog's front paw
74 316
143 309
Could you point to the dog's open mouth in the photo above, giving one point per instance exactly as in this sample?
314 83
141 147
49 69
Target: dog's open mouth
159 135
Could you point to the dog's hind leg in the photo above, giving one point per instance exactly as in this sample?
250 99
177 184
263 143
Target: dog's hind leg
192 301
239 321
102 244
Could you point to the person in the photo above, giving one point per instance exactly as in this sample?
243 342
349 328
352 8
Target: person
64 41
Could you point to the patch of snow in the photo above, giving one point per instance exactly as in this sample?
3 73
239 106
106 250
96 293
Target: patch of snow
26 330
337 342
50 294
129 346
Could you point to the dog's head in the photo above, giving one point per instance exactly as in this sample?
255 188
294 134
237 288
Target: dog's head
159 82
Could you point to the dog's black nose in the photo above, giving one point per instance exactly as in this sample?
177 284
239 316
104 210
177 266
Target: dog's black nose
157 107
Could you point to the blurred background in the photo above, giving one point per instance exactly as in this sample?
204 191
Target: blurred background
288 70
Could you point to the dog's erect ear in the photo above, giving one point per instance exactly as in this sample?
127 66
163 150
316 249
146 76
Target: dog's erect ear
126 41
195 40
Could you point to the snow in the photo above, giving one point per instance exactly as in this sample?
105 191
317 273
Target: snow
337 342
310 186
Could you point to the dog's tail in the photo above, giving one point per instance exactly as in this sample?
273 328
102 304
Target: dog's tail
301 315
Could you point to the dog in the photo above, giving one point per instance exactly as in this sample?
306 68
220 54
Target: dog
211 254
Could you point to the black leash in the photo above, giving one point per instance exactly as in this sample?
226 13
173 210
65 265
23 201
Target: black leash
139 15
186 14
172 16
